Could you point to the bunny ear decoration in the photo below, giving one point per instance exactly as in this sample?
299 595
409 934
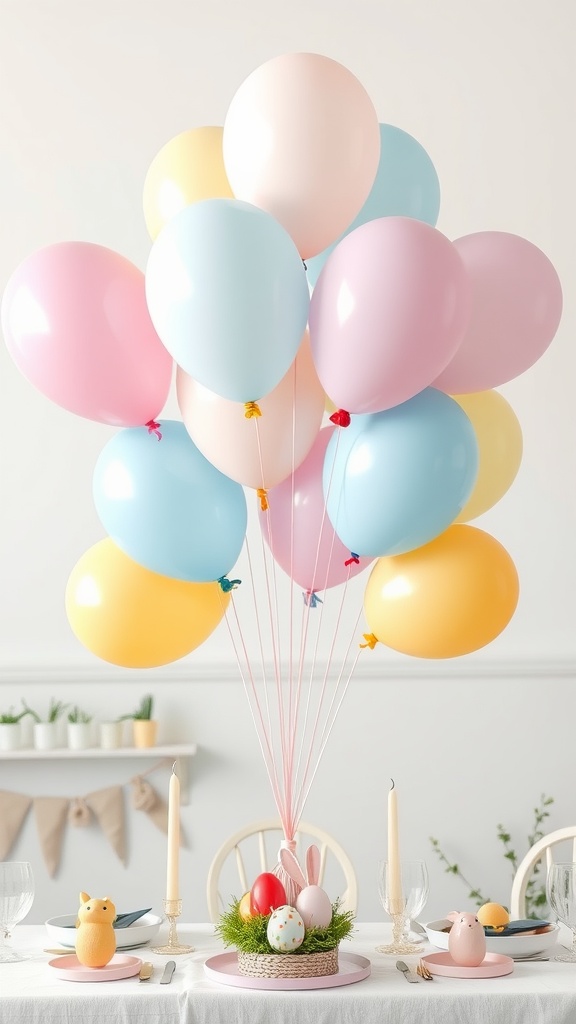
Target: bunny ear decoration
313 864
291 866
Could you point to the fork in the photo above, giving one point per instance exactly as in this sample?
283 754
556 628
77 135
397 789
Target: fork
424 972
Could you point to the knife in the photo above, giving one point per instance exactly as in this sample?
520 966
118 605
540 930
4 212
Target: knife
406 971
168 972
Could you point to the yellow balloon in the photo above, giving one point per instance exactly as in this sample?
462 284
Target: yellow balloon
445 599
499 438
188 168
132 617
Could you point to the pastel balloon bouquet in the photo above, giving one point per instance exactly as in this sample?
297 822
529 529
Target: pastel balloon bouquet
336 360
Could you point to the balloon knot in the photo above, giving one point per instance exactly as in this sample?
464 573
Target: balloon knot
154 428
311 598
262 494
341 418
371 641
227 584
354 559
304 265
251 409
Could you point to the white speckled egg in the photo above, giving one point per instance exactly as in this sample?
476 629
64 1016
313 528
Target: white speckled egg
285 929
313 903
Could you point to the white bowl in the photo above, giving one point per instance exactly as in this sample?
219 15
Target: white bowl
508 945
144 930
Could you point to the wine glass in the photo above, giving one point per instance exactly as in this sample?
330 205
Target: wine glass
16 897
403 895
561 893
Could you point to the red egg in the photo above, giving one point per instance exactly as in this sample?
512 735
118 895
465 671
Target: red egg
267 894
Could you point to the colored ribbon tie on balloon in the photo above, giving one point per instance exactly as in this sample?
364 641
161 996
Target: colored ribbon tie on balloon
341 418
371 641
262 494
154 428
227 584
353 560
311 598
251 409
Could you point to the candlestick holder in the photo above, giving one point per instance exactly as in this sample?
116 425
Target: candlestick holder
172 911
401 906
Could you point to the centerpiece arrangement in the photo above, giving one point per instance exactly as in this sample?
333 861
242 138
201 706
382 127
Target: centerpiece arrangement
277 940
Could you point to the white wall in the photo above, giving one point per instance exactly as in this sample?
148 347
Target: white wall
88 94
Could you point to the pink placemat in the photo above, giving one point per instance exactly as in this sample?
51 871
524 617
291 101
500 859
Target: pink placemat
121 965
494 965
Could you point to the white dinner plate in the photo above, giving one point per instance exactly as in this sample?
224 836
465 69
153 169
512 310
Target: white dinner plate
507 945
144 930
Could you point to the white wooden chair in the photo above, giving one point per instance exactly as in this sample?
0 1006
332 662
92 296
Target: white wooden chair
543 849
254 849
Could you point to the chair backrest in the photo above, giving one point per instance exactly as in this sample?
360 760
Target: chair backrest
542 849
254 849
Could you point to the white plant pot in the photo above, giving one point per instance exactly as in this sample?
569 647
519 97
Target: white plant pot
79 735
111 735
10 736
46 735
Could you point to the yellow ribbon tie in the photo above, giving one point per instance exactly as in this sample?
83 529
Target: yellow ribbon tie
251 409
371 641
262 493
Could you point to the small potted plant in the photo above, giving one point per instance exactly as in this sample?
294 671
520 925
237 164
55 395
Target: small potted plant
46 731
10 731
111 734
144 727
79 731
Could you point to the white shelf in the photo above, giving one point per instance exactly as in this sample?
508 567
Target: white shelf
169 750
179 752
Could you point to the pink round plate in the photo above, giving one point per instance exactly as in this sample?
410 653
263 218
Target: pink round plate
494 965
121 965
223 968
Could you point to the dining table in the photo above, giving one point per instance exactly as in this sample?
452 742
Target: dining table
33 992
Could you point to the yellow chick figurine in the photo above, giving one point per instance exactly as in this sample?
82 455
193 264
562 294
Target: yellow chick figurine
95 938
493 915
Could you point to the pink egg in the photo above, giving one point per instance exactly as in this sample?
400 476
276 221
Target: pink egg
314 906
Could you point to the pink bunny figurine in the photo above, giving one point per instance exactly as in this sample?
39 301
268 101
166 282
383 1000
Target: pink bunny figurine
467 939
312 903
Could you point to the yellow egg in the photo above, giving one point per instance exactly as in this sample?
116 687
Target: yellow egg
493 915
244 907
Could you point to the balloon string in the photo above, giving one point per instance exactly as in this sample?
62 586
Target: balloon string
251 409
154 428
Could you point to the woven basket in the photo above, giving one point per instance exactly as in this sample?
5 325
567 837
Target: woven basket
288 965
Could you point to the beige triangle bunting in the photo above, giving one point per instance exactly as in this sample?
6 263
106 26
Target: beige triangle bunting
13 809
108 806
51 813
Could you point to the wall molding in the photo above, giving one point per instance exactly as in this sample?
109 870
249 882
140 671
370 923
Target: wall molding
225 672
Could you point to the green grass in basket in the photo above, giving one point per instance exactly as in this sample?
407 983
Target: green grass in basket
250 936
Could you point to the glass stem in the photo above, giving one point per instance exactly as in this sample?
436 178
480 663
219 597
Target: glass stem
397 928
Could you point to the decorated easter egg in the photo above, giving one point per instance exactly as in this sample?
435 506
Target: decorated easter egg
313 903
266 894
285 929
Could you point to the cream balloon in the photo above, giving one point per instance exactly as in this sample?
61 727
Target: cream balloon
499 438
257 451
190 167
302 141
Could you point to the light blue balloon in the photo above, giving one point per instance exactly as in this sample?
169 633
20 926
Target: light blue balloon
396 479
166 506
406 185
228 295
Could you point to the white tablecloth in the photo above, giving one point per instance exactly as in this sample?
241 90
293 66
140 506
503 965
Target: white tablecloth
30 993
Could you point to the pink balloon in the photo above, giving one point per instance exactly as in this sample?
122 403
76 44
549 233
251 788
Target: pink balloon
261 451
516 309
297 528
302 141
388 313
76 324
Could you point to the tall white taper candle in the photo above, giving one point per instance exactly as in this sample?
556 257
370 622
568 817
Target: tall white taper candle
394 877
172 880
